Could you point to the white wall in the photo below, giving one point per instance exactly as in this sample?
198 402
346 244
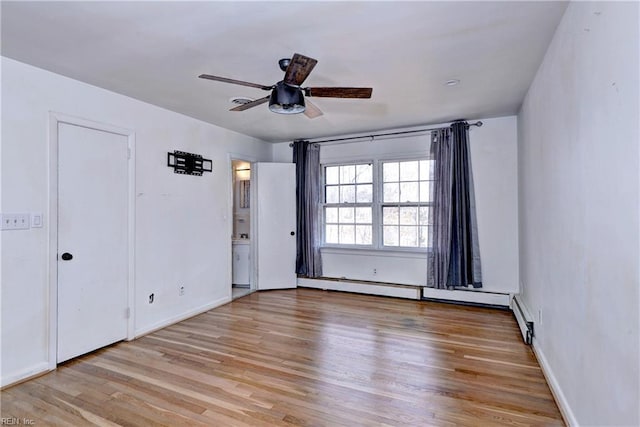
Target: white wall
579 194
182 229
494 163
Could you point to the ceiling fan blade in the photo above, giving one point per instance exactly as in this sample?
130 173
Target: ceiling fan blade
251 104
311 110
339 92
235 82
299 69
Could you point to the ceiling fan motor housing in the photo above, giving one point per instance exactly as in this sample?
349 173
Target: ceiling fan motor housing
286 99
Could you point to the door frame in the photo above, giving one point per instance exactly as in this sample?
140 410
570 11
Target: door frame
55 119
252 214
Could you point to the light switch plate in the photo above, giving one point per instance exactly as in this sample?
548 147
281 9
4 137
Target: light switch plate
36 220
16 221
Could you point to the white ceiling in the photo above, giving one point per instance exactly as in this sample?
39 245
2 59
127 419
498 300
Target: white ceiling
405 51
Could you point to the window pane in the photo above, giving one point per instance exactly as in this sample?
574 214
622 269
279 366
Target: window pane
347 194
364 193
409 215
409 192
390 235
331 215
390 216
425 216
409 171
331 174
363 235
424 237
408 236
346 215
332 195
364 173
331 234
424 170
391 193
425 191
348 174
347 234
363 215
390 172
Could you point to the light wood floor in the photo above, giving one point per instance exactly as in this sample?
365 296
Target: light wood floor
303 357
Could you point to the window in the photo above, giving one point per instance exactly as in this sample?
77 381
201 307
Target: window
406 203
379 205
348 204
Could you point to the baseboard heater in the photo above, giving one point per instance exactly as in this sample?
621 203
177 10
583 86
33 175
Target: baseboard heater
524 319
362 287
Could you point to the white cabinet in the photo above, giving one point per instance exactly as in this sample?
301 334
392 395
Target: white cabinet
241 265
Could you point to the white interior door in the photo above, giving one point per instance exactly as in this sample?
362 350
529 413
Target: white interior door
275 195
92 239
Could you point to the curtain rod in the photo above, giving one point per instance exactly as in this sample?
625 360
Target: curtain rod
478 124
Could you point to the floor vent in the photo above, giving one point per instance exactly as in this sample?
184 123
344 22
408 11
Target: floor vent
524 319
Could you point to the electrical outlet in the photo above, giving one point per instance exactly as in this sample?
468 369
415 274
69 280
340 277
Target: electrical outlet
181 293
375 271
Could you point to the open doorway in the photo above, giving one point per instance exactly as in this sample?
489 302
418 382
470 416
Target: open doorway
241 235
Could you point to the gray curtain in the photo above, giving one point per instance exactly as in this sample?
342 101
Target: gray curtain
438 259
306 156
455 257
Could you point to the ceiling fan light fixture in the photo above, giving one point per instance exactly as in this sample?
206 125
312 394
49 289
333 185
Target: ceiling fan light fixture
286 99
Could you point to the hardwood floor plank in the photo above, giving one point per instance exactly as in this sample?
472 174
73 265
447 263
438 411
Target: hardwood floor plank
306 358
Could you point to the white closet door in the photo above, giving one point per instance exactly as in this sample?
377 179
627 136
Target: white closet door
92 239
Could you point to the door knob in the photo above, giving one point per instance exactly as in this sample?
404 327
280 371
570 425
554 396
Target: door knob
66 256
293 233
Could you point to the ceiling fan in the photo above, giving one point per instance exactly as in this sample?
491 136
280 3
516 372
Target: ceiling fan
287 97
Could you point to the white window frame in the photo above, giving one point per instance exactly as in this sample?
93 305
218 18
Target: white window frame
324 205
382 204
376 204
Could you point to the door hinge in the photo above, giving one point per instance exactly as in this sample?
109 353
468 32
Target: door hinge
127 313
128 153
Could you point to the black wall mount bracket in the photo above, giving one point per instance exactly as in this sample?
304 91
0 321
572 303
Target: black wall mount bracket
188 163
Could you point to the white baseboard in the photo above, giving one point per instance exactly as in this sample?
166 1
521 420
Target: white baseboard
477 297
183 316
552 381
410 292
556 390
42 368
24 374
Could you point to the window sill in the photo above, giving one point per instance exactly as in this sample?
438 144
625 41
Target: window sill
386 252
